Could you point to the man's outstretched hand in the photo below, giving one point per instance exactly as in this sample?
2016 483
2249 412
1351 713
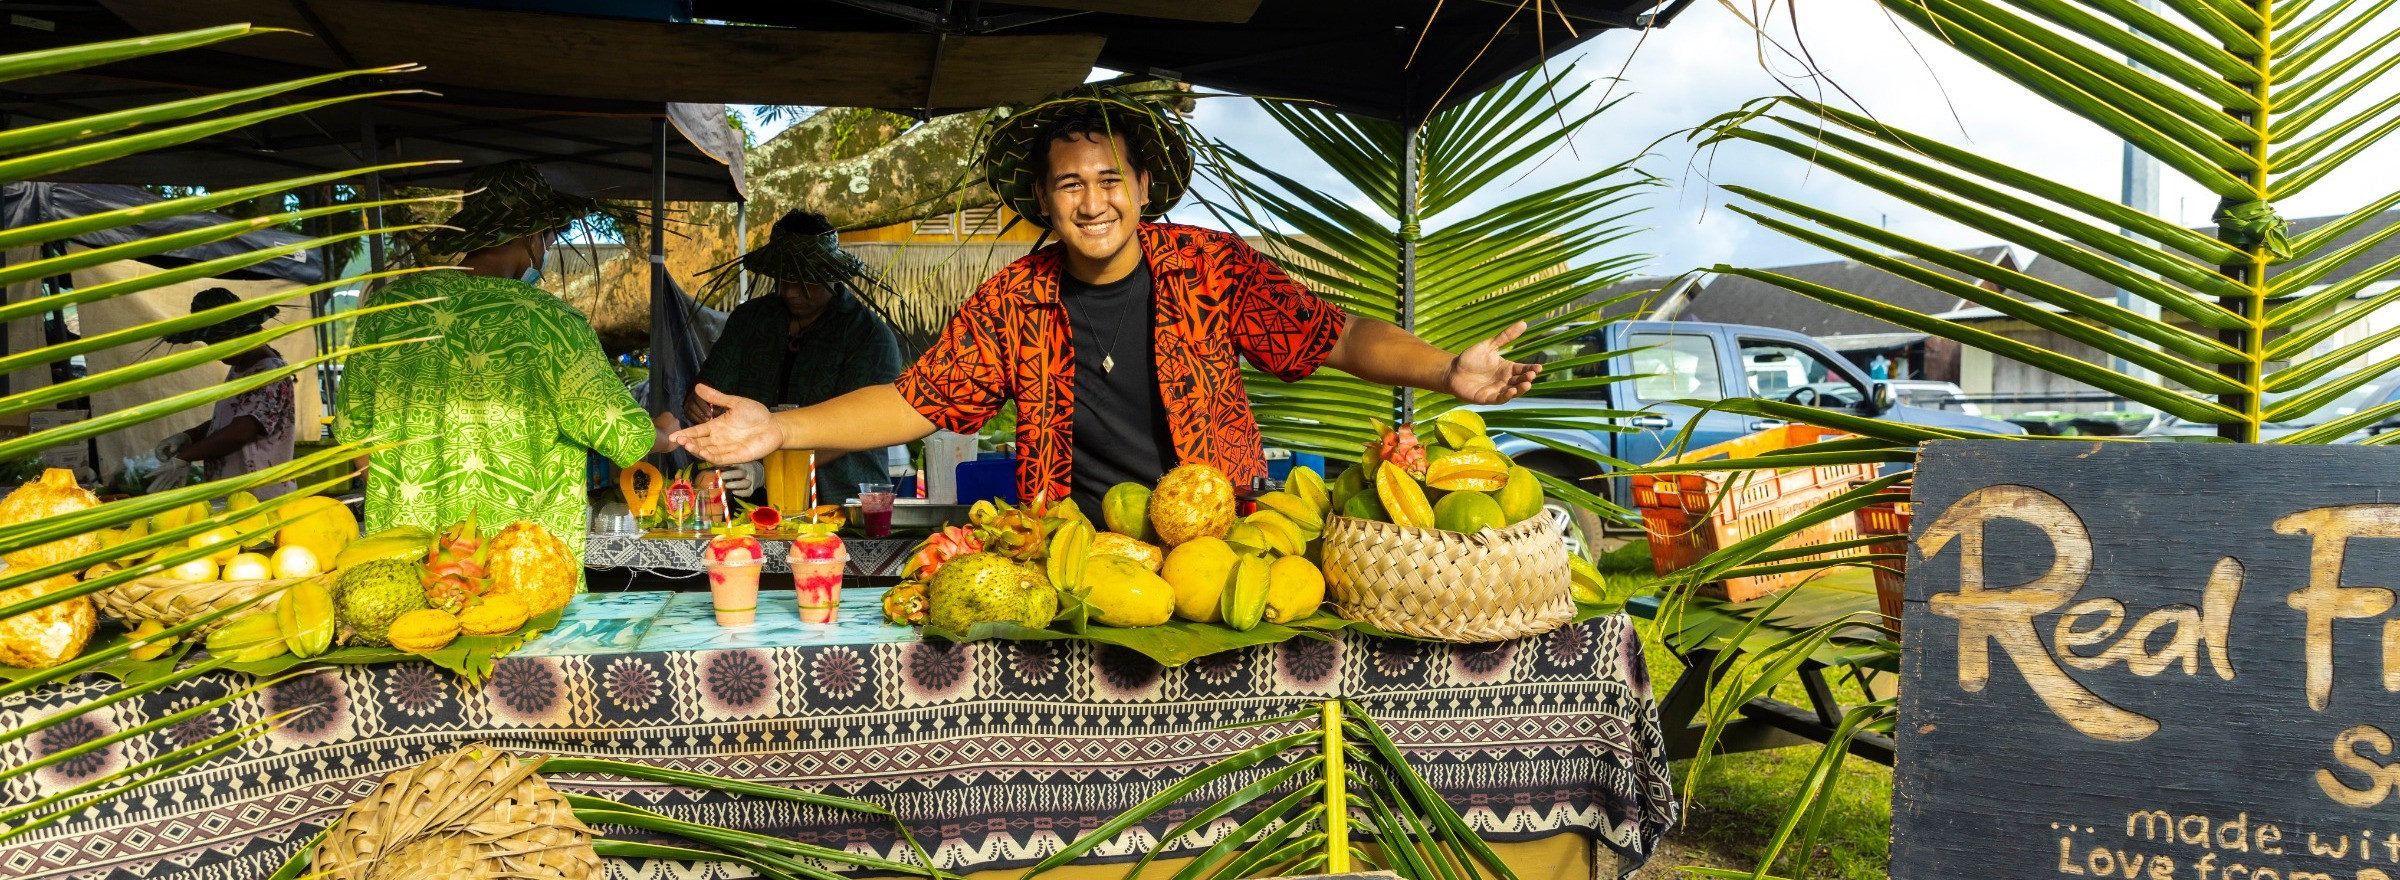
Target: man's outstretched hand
1481 375
745 432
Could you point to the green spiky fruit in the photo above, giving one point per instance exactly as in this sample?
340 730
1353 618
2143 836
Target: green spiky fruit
986 587
372 595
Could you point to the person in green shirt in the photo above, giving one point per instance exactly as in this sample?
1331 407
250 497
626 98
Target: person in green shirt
493 409
813 341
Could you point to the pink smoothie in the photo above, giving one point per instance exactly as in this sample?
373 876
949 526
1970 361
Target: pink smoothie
817 564
733 565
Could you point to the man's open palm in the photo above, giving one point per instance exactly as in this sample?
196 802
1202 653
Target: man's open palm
745 433
1481 375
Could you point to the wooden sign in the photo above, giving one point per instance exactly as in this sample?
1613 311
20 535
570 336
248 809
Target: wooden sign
2151 660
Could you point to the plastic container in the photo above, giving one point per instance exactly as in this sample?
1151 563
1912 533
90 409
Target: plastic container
1689 516
818 562
1892 520
875 509
734 562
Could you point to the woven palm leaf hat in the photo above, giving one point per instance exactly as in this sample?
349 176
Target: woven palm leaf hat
803 247
1016 147
510 200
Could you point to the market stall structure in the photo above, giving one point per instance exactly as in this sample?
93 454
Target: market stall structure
1570 699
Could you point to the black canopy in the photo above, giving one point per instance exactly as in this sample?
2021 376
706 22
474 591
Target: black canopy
1394 59
27 203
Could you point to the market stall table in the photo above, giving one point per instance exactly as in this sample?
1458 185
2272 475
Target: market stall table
623 561
993 752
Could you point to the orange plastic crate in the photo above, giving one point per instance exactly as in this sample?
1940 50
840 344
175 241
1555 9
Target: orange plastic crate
1689 516
1890 586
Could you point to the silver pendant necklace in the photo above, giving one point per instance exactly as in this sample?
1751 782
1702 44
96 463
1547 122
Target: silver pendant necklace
1108 350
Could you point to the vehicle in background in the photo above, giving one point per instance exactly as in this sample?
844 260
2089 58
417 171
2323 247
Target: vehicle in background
2372 394
1928 394
1671 361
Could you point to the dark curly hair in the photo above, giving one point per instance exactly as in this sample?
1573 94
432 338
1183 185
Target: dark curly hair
1098 125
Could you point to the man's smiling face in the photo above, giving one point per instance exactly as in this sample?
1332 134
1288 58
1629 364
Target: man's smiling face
1092 196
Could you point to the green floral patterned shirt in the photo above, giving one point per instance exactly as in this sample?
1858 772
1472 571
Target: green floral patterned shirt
494 415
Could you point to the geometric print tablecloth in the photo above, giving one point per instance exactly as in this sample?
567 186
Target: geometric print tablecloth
994 752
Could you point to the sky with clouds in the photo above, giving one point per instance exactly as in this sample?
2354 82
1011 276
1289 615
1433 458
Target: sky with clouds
1708 62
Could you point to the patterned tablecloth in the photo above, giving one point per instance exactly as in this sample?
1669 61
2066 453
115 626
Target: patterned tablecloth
670 556
993 752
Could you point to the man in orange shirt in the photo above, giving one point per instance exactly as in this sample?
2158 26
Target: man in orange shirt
1121 345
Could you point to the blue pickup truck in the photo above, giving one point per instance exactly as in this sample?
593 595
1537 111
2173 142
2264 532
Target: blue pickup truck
1679 360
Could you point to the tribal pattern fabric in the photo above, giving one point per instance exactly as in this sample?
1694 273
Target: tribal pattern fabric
993 752
1218 300
492 415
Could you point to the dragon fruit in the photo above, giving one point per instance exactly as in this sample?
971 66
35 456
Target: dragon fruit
1009 530
1396 445
945 545
456 575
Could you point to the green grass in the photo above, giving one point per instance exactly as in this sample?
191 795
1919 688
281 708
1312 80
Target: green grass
1740 800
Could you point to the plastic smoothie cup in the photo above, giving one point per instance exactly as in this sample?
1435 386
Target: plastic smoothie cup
875 508
733 565
818 559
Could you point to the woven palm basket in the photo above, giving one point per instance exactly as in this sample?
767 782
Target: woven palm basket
171 601
475 814
1494 585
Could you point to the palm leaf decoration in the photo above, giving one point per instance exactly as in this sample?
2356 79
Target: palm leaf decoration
1409 244
2255 101
34 152
1340 797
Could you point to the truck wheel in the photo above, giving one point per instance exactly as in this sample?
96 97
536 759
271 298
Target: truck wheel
1581 528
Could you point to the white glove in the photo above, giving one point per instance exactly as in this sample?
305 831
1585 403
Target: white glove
743 479
174 443
173 473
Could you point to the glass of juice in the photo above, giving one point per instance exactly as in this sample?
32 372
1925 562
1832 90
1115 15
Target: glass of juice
875 507
733 564
818 559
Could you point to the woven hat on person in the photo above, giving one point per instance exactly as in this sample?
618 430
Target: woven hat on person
1016 147
510 200
804 247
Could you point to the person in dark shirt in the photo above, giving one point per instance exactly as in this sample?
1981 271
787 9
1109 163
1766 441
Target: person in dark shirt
812 341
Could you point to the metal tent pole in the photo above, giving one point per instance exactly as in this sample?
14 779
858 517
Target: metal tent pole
1404 398
660 397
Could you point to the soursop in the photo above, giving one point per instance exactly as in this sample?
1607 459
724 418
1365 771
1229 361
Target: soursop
981 587
373 594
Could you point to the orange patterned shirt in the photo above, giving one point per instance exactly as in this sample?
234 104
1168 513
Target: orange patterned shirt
1215 297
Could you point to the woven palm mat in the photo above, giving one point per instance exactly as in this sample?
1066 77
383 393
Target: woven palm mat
993 752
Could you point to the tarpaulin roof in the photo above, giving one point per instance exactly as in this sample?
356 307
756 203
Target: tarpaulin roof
601 147
24 204
1394 59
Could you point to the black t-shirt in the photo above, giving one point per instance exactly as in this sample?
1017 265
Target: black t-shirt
1121 432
